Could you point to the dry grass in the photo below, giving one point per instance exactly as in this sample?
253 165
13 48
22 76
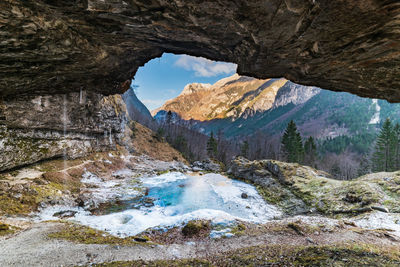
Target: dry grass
145 143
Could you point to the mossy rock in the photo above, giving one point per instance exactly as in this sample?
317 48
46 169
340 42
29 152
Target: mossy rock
86 235
193 228
297 189
4 227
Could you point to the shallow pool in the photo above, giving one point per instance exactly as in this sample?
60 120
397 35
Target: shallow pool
174 198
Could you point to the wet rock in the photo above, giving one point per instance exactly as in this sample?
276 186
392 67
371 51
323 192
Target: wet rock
84 200
207 165
148 202
146 191
140 239
65 214
197 169
378 208
197 164
310 240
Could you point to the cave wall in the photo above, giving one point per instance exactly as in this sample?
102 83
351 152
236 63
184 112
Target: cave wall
62 46
59 126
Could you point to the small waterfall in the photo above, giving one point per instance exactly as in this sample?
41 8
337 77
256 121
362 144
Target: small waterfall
81 97
110 137
64 119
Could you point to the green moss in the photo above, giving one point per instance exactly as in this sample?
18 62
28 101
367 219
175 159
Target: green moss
238 229
195 227
275 255
6 229
86 235
161 263
27 201
23 205
271 195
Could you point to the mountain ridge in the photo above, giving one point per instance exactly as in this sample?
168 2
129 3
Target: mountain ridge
231 97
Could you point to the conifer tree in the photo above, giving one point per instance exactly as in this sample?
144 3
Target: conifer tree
310 150
292 143
384 155
396 132
336 171
212 146
244 149
169 117
180 144
365 166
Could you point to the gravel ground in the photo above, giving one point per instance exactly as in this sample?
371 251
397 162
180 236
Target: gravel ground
33 247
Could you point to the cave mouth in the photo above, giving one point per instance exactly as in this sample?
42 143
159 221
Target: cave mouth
250 116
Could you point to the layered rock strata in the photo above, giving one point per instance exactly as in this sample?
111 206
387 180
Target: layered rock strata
54 126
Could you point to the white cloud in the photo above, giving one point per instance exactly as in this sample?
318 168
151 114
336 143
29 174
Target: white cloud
170 92
153 103
203 67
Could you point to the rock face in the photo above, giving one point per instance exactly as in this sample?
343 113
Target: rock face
137 110
54 47
70 125
294 93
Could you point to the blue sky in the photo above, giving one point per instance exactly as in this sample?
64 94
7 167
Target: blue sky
164 78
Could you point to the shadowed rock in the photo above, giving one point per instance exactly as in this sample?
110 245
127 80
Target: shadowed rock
51 47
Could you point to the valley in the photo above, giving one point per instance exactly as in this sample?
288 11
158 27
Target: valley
245 109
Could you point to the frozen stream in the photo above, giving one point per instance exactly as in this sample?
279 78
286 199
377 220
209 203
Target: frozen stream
172 199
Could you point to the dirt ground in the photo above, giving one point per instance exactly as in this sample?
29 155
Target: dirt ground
32 246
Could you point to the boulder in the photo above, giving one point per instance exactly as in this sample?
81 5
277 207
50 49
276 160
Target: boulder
193 228
301 189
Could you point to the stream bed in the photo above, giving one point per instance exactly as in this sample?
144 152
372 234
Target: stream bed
165 201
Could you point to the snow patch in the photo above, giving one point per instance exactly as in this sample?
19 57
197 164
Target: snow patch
375 118
379 220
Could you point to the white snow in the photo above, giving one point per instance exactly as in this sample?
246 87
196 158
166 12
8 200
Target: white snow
380 220
375 118
164 178
90 178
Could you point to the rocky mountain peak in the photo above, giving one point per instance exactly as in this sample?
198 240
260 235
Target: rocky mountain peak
235 96
195 87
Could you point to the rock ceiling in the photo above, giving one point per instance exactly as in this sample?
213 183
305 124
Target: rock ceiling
58 46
